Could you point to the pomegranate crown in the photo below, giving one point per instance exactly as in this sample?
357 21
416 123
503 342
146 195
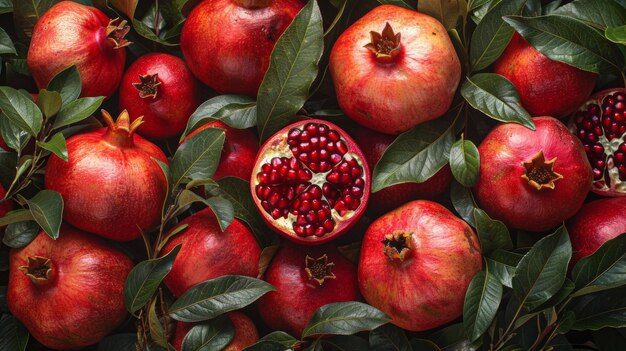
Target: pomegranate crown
121 132
148 85
319 269
385 45
38 269
397 245
540 172
115 33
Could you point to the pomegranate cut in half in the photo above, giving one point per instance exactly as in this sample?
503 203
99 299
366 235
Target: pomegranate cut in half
310 182
601 125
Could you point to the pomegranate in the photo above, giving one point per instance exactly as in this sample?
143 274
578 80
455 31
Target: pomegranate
110 185
3 145
596 223
5 207
208 253
532 180
416 263
245 332
306 278
601 125
160 88
68 292
373 145
73 34
239 151
388 84
227 43
560 89
310 182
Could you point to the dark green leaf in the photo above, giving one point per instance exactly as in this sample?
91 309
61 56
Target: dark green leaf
6 6
451 337
280 337
605 268
493 234
223 210
15 137
344 318
56 145
145 278
609 339
15 216
197 157
274 341
18 235
67 83
77 111
21 110
600 310
616 34
26 14
560 296
157 332
465 162
497 97
236 111
147 33
389 338
168 178
482 300
401 3
47 210
49 102
211 335
217 296
598 13
447 12
502 265
238 115
13 335
6 44
474 4
463 202
346 343
292 69
118 342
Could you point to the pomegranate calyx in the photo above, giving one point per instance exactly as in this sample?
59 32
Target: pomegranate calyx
148 85
319 269
385 45
120 132
115 33
540 172
39 269
397 245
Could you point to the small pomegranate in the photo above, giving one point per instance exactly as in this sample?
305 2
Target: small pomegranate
388 84
373 145
239 151
69 292
208 253
416 263
546 87
160 88
601 125
227 43
596 223
3 145
73 34
310 182
306 278
532 180
110 185
245 332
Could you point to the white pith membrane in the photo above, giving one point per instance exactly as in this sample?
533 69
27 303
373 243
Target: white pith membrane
279 147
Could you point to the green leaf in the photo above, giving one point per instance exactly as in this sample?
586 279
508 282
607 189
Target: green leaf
389 338
605 268
77 111
482 300
49 102
6 6
211 335
15 137
492 35
541 272
67 83
16 216
26 14
616 34
493 234
569 41
463 202
157 332
223 210
18 235
217 296
56 145
274 341
292 70
465 162
47 210
147 33
497 97
197 157
237 111
447 12
401 3
21 110
13 335
502 265
600 310
597 13
6 44
344 318
346 343
145 278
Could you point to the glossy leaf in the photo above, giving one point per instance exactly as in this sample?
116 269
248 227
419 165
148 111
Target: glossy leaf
482 300
465 162
598 13
15 216
274 341
21 110
56 145
389 338
67 83
13 335
47 210
616 34
157 332
502 264
26 14
49 102
15 137
493 234
600 310
197 157
237 111
344 318
604 269
6 44
20 234
77 111
223 210
447 12
463 202
143 30
6 6
211 335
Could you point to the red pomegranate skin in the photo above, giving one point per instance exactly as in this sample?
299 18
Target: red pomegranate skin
82 300
227 43
596 223
3 145
110 184
245 332
73 34
169 104
418 85
373 145
297 297
427 288
5 207
208 253
546 87
505 195
239 151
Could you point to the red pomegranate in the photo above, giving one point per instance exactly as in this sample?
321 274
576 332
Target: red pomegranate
73 34
69 292
416 263
245 332
3 145
532 180
5 207
373 145
239 151
306 278
596 223
227 43
208 253
310 182
160 88
111 185
388 84
546 87
601 125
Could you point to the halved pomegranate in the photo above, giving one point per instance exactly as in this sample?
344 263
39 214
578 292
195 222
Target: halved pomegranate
310 182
